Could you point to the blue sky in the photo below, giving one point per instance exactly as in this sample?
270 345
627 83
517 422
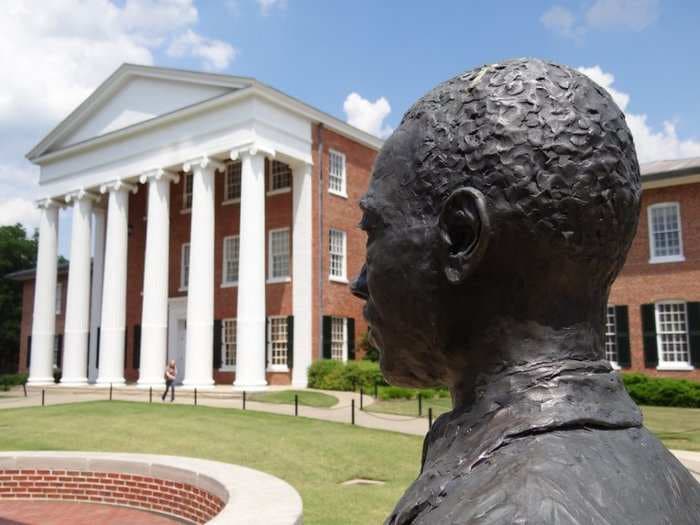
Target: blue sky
388 53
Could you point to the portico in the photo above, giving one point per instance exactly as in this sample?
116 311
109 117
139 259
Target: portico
236 120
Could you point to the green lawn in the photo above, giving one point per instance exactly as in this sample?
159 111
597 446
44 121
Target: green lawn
286 397
409 407
314 456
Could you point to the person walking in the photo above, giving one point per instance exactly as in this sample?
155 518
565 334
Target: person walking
170 375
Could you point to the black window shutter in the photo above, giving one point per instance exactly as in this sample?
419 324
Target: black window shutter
693 310
290 341
97 349
622 336
350 327
29 350
326 354
136 355
267 341
59 358
217 344
126 347
651 358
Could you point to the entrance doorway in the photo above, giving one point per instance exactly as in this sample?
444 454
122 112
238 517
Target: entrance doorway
177 334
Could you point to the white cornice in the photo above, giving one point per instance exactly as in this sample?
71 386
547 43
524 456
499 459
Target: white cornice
244 87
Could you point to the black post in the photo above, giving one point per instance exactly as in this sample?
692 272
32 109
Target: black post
296 404
352 412
362 400
244 400
195 397
43 393
376 390
150 394
420 404
24 386
430 418
110 391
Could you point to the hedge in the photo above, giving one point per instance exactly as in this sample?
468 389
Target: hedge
328 374
7 381
661 391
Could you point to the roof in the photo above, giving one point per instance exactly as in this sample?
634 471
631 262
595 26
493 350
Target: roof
662 169
28 274
235 83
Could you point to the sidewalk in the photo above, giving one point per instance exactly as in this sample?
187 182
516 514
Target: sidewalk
223 396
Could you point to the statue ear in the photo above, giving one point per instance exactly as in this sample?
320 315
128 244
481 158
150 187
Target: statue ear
464 230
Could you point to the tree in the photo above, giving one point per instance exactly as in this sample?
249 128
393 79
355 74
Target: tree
17 252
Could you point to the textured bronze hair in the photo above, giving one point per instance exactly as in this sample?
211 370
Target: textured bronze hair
541 141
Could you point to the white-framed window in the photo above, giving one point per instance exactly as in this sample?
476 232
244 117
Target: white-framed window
337 264
278 261
280 177
339 338
672 335
611 336
184 266
229 268
59 297
336 173
232 182
665 236
187 192
228 344
277 337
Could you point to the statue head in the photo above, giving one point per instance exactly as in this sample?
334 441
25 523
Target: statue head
503 204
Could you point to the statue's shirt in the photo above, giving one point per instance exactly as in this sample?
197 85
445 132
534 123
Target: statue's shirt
564 448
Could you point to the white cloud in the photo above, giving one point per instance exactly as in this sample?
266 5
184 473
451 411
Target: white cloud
561 21
651 144
266 6
366 115
633 15
215 54
18 209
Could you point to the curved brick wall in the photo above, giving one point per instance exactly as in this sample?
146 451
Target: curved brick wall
168 497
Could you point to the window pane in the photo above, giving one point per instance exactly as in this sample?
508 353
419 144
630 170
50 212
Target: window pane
279 254
228 342
338 338
665 226
281 176
672 332
232 185
187 196
278 340
336 172
337 253
185 272
231 254
610 335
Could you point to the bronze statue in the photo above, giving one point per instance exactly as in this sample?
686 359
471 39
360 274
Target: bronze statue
498 215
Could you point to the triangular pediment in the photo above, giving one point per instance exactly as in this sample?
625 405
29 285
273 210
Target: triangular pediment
132 95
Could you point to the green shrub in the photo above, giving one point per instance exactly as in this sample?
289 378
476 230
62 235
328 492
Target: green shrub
371 352
7 381
328 374
396 392
658 391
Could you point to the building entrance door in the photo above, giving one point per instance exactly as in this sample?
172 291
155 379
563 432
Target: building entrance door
177 334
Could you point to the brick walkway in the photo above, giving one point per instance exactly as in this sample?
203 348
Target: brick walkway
61 513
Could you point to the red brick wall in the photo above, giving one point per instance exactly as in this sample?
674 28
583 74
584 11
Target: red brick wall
341 214
28 312
641 282
141 492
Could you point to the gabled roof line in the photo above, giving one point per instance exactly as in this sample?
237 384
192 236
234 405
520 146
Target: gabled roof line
239 83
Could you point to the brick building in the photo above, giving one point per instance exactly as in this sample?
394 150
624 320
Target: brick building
221 218
213 223
653 321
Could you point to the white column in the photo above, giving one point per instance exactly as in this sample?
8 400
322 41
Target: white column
200 288
98 264
302 268
251 326
74 369
44 319
113 323
154 317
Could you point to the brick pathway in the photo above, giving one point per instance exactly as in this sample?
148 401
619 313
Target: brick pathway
62 513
